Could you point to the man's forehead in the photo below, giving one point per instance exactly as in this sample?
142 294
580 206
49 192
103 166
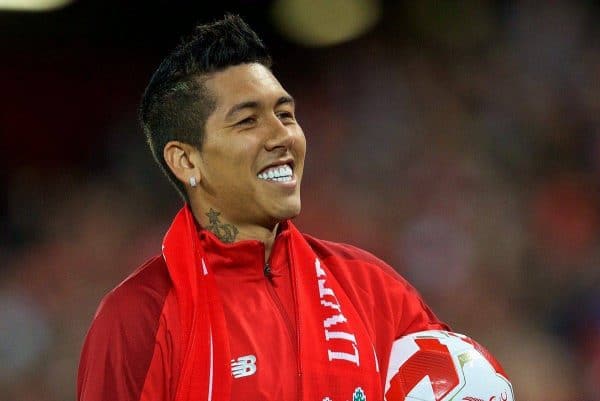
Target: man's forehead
242 83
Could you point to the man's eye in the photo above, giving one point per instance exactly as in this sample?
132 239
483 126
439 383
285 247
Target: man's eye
285 116
247 121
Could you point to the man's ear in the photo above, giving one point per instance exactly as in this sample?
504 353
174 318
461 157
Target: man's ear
183 160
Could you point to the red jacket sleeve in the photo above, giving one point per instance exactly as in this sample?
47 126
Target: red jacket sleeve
395 303
415 315
409 312
398 301
126 350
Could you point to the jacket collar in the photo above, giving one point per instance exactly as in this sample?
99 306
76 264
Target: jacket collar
246 257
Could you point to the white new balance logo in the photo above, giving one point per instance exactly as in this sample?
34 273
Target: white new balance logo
243 366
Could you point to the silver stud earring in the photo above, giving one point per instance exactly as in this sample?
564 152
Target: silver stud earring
193 181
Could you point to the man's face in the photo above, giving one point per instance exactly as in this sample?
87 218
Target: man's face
252 156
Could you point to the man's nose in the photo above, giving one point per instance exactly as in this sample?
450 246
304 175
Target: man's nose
280 135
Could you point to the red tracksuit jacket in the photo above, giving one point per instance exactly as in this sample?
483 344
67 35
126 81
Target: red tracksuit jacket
131 351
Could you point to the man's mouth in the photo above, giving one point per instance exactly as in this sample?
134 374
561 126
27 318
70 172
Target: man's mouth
280 173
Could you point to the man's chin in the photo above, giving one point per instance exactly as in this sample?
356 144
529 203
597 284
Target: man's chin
287 213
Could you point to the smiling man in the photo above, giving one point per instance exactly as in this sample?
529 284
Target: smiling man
247 172
240 305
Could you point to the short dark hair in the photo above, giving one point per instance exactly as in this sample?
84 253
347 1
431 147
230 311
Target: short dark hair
176 103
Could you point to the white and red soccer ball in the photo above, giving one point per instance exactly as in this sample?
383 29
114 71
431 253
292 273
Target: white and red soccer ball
439 365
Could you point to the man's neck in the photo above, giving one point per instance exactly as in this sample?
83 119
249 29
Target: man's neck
227 232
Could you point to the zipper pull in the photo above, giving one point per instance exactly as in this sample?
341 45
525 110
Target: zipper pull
267 270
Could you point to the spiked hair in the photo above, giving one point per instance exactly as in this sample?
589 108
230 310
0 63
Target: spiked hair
176 102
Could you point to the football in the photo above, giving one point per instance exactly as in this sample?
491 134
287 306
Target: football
438 365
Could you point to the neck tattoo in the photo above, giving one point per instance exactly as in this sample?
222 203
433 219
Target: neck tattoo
225 232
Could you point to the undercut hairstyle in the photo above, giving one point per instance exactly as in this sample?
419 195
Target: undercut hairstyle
176 102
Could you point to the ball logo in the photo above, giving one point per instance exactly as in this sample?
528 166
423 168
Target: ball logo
432 359
503 397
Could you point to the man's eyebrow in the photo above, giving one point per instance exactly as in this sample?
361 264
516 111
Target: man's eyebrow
251 104
287 99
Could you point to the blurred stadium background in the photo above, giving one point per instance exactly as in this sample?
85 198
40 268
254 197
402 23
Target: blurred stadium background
458 141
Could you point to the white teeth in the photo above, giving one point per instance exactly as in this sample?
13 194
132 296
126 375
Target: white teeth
277 173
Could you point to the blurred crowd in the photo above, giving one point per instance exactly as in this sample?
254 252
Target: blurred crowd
459 144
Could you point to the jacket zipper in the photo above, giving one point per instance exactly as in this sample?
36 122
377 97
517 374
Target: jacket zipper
279 304
297 318
293 335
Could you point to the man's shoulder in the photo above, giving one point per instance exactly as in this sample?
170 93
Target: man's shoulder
141 294
371 283
124 334
350 257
